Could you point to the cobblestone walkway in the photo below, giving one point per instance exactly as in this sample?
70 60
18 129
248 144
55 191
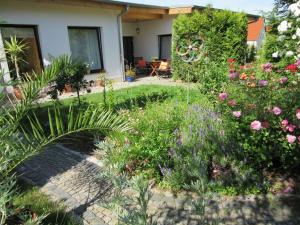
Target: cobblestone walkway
74 179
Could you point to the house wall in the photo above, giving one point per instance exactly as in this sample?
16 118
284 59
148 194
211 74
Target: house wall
53 21
146 42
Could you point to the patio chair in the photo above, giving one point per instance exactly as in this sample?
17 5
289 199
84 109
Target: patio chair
164 70
142 67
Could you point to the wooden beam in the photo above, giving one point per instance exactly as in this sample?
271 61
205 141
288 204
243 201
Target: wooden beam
141 10
139 17
80 3
181 10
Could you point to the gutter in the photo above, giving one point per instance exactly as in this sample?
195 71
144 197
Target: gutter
120 32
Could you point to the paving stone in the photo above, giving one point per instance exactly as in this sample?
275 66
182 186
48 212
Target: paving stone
75 179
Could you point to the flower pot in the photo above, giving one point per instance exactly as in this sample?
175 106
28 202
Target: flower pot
130 79
100 83
68 88
18 93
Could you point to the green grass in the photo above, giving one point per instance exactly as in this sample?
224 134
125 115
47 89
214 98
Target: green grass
139 94
30 198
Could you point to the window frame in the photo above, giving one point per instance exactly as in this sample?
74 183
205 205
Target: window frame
36 35
99 41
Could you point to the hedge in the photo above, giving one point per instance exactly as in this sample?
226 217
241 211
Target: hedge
224 34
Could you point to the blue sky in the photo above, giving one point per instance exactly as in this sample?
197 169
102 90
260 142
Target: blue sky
249 6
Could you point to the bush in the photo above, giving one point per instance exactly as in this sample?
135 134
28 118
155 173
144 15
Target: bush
263 108
223 34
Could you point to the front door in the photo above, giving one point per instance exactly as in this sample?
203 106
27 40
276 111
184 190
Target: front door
128 50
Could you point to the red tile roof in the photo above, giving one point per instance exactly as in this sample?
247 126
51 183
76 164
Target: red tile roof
254 28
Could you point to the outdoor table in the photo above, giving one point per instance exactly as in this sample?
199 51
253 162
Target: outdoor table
154 65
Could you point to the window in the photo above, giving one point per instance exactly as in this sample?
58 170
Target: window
32 54
85 46
165 46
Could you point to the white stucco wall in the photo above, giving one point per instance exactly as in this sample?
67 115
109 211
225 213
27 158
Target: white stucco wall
53 21
146 43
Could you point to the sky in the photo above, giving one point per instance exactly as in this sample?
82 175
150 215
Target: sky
248 6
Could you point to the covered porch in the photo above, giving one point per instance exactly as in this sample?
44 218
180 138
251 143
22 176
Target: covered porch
147 34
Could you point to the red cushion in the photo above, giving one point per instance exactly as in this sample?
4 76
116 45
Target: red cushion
142 63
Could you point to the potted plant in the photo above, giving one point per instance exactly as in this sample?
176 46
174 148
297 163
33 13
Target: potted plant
68 88
88 68
130 74
101 79
14 49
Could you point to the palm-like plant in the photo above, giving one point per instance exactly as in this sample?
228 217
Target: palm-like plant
14 50
18 142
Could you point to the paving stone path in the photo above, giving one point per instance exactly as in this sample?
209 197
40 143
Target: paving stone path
74 178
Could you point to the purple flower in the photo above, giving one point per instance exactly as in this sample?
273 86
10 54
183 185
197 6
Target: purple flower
166 172
223 96
263 83
267 67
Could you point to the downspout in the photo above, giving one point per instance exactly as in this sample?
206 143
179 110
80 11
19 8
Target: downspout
120 33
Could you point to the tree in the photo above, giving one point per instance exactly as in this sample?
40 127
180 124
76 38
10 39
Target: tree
282 5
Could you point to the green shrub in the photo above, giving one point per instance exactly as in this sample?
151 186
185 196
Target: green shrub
224 35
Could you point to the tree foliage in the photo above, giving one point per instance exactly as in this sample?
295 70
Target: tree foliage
223 33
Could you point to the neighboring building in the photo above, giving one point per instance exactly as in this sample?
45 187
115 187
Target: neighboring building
100 33
256 32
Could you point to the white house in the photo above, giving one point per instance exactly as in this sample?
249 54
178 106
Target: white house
99 32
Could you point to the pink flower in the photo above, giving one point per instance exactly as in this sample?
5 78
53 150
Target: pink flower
256 125
299 139
263 83
237 114
267 67
277 111
298 63
223 96
284 123
234 75
291 138
291 128
283 80
232 102
298 114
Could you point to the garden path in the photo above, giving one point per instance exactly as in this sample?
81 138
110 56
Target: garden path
73 178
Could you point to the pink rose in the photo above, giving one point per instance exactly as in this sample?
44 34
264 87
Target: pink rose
256 125
291 138
237 114
223 96
277 111
291 128
232 102
283 80
298 114
284 123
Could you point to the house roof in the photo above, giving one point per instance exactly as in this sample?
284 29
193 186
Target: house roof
254 29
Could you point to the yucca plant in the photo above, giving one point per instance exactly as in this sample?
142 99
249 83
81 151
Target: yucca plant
14 50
